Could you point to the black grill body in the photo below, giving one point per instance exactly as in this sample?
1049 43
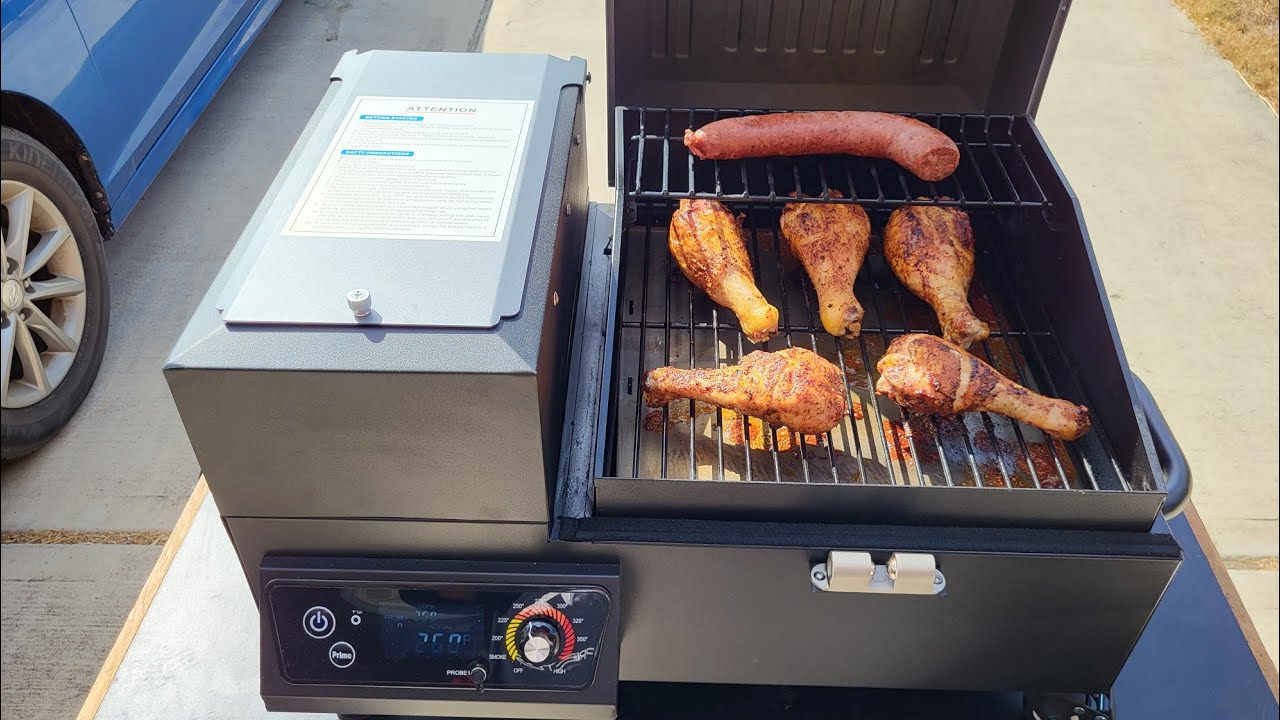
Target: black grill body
1048 546
730 601
1059 550
1055 554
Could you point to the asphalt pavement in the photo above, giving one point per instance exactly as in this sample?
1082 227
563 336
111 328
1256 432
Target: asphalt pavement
124 463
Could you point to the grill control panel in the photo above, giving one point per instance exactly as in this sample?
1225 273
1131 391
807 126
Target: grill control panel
442 636
442 627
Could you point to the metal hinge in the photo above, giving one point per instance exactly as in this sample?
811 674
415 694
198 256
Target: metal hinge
904 574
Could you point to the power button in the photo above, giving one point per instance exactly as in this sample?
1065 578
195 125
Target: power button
318 622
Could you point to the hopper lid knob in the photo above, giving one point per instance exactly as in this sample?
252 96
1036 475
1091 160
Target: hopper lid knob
360 302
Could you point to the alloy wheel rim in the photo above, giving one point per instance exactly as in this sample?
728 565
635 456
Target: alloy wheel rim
42 294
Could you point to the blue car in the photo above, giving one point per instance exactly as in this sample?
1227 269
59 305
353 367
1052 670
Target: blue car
97 94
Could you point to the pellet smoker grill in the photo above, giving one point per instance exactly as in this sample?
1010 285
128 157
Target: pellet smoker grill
414 388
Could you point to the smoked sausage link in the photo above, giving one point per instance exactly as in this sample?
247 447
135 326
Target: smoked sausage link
916 146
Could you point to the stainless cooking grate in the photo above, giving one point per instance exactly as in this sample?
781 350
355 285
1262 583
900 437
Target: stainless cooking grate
664 320
993 171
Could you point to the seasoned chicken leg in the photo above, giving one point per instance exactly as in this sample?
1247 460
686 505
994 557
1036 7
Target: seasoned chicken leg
793 388
706 241
831 241
926 374
931 251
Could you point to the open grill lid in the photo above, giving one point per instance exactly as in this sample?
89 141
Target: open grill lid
934 56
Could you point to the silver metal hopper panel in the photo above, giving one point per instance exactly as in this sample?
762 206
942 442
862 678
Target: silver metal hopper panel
420 185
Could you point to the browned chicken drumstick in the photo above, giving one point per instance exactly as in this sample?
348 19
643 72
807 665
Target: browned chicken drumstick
926 374
706 241
793 388
931 251
831 241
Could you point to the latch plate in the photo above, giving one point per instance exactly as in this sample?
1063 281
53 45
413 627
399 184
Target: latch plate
904 574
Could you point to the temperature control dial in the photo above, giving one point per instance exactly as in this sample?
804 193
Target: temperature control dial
537 641
540 635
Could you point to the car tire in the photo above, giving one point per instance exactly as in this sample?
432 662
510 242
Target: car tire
40 300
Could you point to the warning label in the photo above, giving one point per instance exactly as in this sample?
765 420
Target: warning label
417 168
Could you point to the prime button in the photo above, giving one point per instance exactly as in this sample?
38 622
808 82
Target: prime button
341 654
318 622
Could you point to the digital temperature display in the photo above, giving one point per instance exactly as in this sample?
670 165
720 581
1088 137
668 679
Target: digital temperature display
423 626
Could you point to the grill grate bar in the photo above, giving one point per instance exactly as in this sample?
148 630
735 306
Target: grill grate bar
715 324
773 431
942 457
666 354
806 290
986 133
716 164
786 321
989 146
849 183
933 419
875 408
1022 163
966 150
666 351
690 156
875 177
693 354
666 157
1024 375
1052 444
1075 380
746 428
906 416
640 370
814 327
1017 431
640 156
848 411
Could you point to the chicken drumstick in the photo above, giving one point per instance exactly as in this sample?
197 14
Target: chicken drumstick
931 251
926 374
793 388
831 241
706 241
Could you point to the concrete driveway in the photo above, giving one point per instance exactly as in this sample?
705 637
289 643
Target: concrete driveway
123 463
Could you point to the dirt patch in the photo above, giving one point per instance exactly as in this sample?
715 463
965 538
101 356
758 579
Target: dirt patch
1244 32
81 537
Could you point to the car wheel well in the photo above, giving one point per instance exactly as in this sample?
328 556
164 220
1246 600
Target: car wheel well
32 117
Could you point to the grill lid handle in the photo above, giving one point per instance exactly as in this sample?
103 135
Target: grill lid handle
1177 471
904 574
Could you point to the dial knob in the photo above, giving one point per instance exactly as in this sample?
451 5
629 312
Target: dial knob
538 641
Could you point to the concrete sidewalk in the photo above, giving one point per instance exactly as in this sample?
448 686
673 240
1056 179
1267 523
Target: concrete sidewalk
1175 161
